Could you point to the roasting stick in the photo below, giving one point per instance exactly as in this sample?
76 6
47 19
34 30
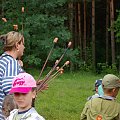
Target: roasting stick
58 72
55 41
60 69
22 19
54 67
58 61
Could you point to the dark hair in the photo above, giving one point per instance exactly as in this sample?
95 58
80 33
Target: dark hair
33 100
98 82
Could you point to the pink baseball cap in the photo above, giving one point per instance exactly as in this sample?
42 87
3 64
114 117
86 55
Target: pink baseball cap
23 83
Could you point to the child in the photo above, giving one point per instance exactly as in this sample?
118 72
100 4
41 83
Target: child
98 91
105 107
24 93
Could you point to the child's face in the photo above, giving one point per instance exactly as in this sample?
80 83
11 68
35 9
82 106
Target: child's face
24 100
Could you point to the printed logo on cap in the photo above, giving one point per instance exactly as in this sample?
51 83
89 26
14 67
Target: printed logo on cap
18 82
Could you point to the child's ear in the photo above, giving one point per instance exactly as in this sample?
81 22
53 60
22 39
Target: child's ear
34 94
113 90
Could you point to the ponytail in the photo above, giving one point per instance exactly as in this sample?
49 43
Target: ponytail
3 39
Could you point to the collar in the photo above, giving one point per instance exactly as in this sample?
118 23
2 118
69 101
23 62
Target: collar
6 54
107 97
24 111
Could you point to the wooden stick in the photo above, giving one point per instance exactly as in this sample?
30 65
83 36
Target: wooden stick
59 71
55 41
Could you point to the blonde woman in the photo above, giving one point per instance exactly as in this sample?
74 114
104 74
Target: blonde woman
9 65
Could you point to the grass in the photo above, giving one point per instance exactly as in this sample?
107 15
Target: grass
66 96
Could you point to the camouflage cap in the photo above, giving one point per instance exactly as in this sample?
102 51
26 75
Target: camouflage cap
111 81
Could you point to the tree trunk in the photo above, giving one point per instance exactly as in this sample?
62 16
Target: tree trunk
70 17
107 33
93 34
112 30
84 39
79 30
75 26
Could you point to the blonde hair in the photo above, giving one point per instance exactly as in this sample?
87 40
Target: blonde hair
10 39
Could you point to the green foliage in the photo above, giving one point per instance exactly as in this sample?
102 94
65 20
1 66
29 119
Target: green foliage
73 56
42 21
32 60
44 26
1 46
117 27
117 31
85 67
106 69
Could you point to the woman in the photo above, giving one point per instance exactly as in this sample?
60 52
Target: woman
9 65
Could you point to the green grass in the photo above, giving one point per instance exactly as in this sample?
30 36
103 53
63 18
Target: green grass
66 96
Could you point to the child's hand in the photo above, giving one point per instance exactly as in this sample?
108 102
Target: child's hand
44 87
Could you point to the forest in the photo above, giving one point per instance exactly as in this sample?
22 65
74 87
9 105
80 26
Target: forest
93 27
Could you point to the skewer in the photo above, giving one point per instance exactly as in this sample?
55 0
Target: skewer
47 79
55 41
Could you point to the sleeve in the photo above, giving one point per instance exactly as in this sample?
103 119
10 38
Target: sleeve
11 71
12 113
2 69
84 112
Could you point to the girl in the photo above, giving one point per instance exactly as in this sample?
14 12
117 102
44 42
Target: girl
24 93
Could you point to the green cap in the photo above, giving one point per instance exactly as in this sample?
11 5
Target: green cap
111 81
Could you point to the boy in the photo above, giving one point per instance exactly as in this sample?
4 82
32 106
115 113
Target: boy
104 107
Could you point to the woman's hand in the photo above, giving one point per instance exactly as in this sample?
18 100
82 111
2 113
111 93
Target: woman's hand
20 62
